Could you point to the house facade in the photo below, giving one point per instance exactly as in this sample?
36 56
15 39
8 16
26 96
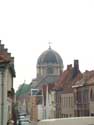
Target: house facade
84 95
64 91
7 93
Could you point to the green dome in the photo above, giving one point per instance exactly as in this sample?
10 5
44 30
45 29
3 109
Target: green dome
23 89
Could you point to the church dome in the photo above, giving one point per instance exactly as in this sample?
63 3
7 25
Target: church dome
50 57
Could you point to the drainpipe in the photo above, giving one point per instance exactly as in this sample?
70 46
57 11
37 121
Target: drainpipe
1 98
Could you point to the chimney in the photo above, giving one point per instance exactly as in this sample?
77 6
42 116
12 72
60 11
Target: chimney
9 54
12 60
76 65
1 47
69 67
76 68
6 50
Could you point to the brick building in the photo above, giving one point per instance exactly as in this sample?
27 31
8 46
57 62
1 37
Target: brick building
84 95
64 91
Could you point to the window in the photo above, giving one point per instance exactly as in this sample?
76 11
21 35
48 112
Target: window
35 92
69 101
50 70
85 95
91 94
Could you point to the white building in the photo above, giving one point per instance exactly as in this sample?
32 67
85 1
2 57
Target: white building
7 73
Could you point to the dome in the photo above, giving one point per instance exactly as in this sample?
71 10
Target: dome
50 57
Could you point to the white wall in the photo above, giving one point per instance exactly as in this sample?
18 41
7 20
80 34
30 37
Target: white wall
69 121
5 106
52 108
67 104
7 82
40 112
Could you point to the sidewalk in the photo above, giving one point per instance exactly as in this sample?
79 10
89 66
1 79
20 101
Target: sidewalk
33 123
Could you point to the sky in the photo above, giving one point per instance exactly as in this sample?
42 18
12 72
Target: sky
26 27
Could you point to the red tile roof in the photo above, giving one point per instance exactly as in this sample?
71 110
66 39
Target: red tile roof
87 79
66 80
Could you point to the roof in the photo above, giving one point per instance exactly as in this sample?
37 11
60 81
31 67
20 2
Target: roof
23 89
66 80
49 56
49 79
6 58
87 79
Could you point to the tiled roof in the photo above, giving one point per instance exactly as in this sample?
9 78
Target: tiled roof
87 79
62 78
5 57
49 79
67 80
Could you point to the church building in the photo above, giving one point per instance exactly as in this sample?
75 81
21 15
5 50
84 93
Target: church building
49 67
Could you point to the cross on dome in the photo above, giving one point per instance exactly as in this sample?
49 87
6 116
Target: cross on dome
49 44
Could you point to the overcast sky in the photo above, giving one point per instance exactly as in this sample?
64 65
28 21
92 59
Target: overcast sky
26 26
